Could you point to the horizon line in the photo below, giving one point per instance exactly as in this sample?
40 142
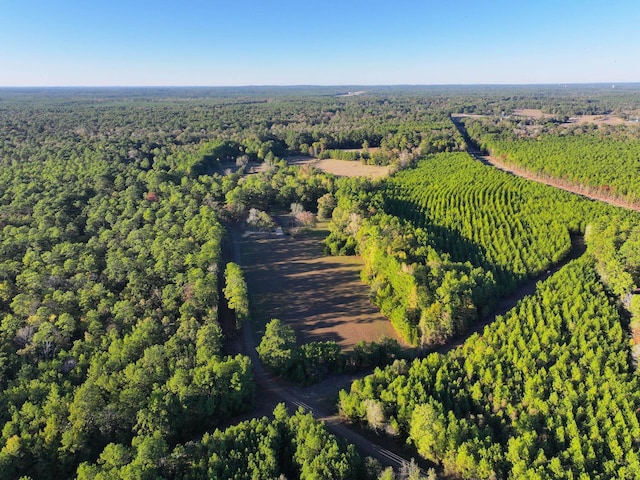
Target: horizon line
310 85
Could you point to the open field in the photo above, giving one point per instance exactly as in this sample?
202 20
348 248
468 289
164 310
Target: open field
320 296
345 168
609 119
342 168
531 113
600 120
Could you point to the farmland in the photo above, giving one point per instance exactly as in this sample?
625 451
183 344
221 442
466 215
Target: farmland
321 296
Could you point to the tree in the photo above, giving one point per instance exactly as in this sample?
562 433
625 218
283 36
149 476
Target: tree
236 293
305 219
296 208
326 204
260 220
278 346
375 414
428 430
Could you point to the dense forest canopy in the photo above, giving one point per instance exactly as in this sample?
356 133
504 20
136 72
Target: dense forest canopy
601 158
546 392
114 205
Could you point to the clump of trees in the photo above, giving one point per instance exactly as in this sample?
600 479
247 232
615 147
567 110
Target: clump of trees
306 364
236 293
427 297
302 219
275 189
260 220
288 446
312 362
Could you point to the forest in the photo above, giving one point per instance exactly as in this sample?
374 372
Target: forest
599 158
115 206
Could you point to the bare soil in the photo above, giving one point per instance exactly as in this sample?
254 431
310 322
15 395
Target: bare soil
320 296
531 113
608 119
599 120
340 168
343 168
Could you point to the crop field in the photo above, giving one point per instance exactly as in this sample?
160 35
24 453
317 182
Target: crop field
320 296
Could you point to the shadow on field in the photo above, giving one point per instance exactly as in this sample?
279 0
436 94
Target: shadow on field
320 296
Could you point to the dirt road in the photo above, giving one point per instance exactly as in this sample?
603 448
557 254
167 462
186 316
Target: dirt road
578 248
582 190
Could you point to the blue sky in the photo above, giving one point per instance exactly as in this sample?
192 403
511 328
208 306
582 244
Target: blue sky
250 42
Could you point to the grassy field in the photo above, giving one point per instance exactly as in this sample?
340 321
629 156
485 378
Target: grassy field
320 296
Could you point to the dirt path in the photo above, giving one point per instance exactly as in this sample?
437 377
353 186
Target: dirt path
578 248
583 190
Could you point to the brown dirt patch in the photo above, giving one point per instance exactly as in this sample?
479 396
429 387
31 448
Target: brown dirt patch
577 120
342 168
531 113
345 168
599 120
320 296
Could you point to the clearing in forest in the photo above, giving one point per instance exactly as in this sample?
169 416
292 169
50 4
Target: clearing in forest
606 119
320 296
347 168
342 168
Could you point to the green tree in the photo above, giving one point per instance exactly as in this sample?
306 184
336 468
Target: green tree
236 293
277 348
326 204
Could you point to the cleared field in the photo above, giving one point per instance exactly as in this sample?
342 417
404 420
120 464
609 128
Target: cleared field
320 296
531 112
599 120
345 168
578 119
342 168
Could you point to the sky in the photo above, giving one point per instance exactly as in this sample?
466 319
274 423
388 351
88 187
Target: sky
312 42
